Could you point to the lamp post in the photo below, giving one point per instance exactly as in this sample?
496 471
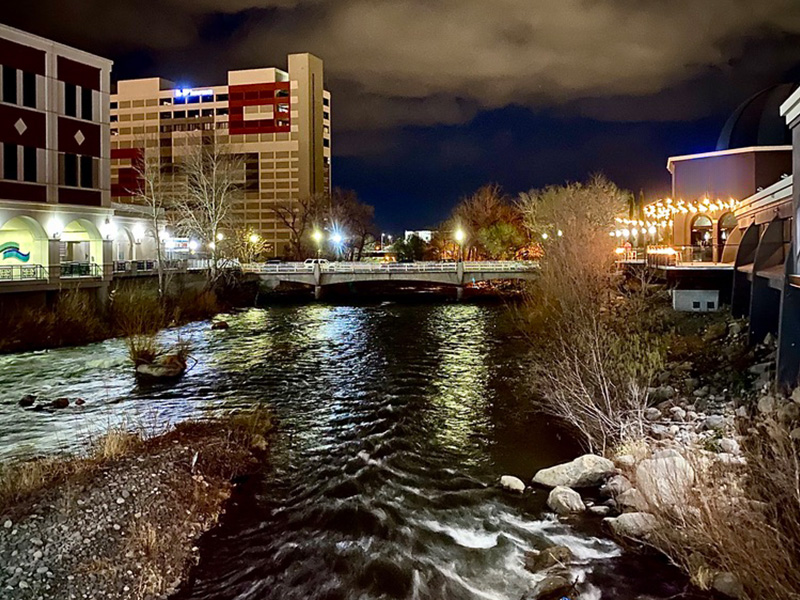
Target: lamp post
317 235
460 236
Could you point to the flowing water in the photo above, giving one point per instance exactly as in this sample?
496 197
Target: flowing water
395 423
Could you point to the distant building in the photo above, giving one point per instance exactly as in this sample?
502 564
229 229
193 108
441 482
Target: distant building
278 121
426 235
57 222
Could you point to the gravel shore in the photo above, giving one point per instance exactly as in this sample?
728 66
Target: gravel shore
125 529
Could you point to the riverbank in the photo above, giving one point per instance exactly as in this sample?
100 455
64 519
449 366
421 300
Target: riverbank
122 521
698 452
76 317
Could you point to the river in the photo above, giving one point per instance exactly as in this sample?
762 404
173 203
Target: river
396 422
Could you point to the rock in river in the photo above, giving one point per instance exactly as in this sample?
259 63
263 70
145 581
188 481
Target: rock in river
564 501
551 587
549 557
585 471
632 525
60 403
220 325
512 484
27 400
170 366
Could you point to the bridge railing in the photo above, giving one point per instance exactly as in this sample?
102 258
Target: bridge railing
288 267
415 267
500 265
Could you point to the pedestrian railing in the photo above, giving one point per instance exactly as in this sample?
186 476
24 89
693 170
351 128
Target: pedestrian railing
80 269
23 273
413 267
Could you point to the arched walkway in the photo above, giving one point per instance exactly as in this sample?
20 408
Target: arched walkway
701 236
23 241
81 248
123 244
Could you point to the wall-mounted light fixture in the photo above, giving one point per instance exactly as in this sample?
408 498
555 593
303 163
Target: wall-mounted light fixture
138 233
108 230
55 228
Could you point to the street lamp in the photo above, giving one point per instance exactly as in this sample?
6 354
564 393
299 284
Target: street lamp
317 235
254 238
460 236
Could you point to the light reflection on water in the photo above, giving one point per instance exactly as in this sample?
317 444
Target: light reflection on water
395 423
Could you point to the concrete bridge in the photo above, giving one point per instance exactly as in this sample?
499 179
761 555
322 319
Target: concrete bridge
456 274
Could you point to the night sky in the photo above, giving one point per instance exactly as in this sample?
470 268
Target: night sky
433 98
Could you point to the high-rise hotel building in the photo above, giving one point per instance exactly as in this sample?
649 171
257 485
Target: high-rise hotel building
277 121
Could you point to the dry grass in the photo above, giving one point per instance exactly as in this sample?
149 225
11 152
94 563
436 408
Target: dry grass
742 519
230 440
74 318
596 346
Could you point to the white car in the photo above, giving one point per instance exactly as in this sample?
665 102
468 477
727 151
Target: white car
315 261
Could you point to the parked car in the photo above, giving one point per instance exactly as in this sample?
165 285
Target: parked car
315 261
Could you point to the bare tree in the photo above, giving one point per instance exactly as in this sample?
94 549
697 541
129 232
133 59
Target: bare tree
300 217
356 219
212 180
492 223
154 189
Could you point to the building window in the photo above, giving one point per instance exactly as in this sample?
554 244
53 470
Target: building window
86 104
194 113
114 106
29 89
326 101
70 100
326 142
326 115
208 112
87 177
29 170
222 111
10 161
222 97
166 115
9 85
114 118
70 174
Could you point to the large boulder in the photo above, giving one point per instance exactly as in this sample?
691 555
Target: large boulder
512 484
636 525
565 501
615 486
728 585
585 471
632 500
216 325
664 481
549 557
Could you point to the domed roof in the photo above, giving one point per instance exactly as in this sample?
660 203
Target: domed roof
757 122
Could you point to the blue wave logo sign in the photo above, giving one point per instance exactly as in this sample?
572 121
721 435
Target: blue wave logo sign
11 250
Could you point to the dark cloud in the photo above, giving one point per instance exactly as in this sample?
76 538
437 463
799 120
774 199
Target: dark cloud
415 82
